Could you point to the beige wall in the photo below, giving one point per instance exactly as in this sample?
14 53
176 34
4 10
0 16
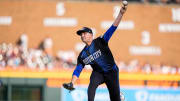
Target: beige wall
28 16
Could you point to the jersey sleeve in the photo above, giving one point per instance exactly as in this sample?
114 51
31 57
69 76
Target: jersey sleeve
79 67
107 35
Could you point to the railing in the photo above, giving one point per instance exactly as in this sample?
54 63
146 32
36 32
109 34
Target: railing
57 76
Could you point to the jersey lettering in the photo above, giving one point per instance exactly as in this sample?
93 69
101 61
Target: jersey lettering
92 57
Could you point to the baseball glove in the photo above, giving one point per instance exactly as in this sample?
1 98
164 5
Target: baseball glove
69 86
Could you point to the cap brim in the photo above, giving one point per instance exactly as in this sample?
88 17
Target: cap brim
79 32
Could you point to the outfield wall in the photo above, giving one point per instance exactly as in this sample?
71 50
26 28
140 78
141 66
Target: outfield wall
37 89
130 93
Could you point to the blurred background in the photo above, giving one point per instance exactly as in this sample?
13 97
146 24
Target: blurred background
39 47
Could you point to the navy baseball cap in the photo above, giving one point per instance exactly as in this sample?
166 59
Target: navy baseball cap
84 29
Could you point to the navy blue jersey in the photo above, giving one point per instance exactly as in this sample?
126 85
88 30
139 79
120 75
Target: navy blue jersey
98 55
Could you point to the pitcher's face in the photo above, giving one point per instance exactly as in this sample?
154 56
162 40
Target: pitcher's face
86 37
